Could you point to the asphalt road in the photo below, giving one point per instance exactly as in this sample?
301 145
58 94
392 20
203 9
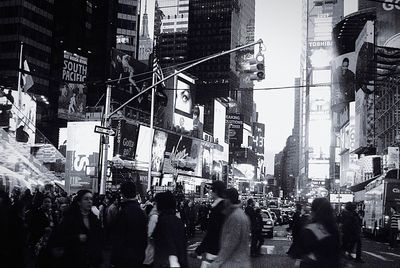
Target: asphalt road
375 254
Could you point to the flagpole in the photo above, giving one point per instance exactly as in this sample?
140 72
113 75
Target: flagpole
19 76
149 179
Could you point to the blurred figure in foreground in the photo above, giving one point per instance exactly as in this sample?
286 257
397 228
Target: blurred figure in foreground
319 240
235 251
170 247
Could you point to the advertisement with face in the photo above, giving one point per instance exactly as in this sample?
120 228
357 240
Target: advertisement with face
82 155
183 110
343 80
72 99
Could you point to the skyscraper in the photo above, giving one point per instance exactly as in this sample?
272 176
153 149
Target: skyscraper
30 22
215 27
126 26
145 42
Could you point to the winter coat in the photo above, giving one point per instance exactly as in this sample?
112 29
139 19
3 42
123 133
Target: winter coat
129 236
318 247
235 250
76 253
169 239
211 241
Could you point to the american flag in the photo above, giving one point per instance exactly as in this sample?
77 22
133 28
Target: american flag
158 71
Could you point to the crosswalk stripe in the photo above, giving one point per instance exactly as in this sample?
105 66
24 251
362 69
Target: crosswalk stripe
390 253
376 256
280 239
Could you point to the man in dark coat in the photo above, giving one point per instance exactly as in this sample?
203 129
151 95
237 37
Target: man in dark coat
351 229
250 212
170 247
211 241
129 233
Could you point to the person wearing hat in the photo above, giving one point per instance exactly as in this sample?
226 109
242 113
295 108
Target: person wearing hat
235 250
210 245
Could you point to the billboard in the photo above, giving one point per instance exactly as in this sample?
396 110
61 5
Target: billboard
130 78
234 128
23 120
343 81
125 140
82 155
183 102
72 99
158 150
387 21
182 155
258 139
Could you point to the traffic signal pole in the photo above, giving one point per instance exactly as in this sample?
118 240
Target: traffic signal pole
107 114
105 141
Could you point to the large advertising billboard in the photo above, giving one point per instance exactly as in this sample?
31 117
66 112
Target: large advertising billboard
184 103
82 156
125 140
72 99
234 128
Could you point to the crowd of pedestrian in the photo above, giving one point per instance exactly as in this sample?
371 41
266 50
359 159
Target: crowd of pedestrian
48 228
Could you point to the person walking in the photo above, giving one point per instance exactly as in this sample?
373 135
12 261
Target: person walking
169 234
79 238
350 229
250 212
394 222
210 244
319 240
235 251
257 232
129 232
295 226
41 224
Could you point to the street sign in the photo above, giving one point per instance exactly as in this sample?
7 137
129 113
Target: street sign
104 130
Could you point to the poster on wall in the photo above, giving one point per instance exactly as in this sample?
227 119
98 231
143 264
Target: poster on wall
207 162
72 99
234 128
82 156
184 103
343 81
159 144
181 155
125 140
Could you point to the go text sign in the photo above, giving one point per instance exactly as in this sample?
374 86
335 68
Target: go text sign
234 128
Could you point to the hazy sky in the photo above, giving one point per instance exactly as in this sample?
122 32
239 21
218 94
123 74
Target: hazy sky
278 23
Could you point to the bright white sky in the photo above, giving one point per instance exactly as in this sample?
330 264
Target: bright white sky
278 23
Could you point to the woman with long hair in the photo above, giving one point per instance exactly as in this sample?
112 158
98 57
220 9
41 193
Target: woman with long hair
78 240
319 240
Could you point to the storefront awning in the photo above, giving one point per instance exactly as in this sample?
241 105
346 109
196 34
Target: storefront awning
361 186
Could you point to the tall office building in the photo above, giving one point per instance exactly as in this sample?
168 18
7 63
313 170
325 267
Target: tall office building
145 42
127 26
315 122
30 22
172 33
214 27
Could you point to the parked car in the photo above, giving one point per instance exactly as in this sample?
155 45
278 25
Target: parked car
268 224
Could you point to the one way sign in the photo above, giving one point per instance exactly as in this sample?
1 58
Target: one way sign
104 130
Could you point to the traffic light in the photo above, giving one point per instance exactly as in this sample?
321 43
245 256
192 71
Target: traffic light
257 67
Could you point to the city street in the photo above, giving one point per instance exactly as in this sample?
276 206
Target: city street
375 254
